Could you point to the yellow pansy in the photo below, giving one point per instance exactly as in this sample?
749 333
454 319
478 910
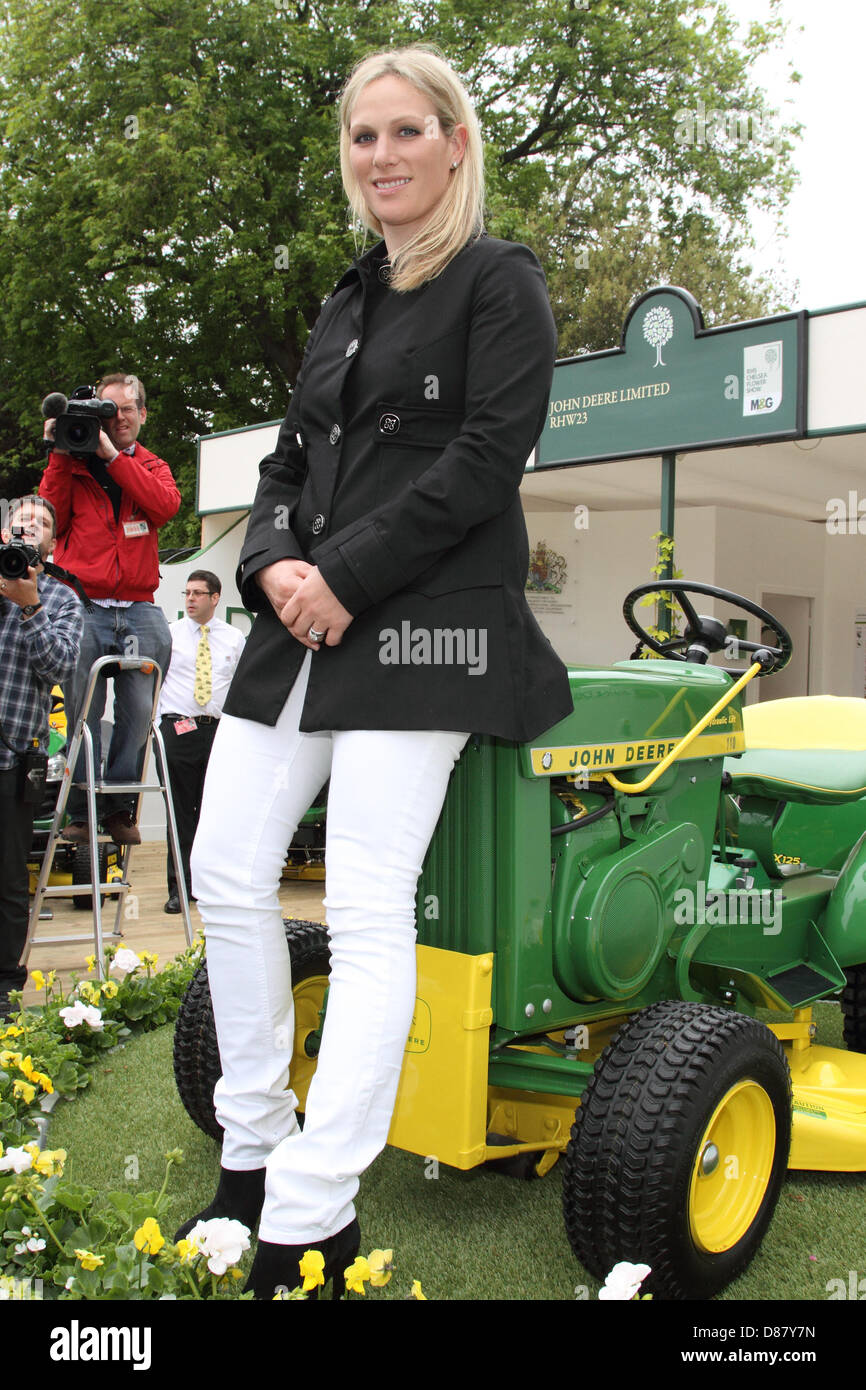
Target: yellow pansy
88 1259
186 1250
356 1275
44 1081
109 988
38 978
91 964
416 1291
13 1031
10 1059
149 1237
149 958
23 1090
311 1267
381 1264
48 1162
26 1065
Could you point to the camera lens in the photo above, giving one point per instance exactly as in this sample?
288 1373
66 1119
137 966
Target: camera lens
78 433
13 562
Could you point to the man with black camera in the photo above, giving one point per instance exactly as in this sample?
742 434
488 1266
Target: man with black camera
111 497
40 638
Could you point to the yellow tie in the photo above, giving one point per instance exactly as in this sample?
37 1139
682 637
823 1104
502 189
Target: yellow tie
203 670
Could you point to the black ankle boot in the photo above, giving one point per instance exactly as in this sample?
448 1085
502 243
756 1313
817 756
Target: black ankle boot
239 1197
277 1266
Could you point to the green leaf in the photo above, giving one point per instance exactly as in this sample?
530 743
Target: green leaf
74 1198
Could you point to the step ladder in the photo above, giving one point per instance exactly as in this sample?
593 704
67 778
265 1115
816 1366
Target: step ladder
118 888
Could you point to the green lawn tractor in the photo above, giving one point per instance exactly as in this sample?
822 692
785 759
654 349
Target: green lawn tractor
606 917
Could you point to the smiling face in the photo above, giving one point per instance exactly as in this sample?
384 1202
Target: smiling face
400 156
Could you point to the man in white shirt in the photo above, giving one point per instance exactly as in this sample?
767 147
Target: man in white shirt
204 654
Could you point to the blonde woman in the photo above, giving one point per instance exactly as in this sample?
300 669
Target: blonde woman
421 395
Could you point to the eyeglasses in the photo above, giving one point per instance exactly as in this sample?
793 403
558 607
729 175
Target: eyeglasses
197 593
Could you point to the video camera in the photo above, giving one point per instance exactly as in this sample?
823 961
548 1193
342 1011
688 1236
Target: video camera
78 421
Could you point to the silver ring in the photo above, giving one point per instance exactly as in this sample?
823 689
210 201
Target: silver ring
315 636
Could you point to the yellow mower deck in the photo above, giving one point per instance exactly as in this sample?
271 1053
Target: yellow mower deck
829 1101
446 1110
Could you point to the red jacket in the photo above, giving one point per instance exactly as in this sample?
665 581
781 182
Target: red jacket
110 562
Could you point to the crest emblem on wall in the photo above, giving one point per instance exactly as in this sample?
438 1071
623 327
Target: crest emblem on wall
547 570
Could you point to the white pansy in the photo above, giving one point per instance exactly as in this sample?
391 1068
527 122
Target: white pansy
222 1241
20 1248
78 1013
35 1243
73 1014
125 961
16 1161
623 1281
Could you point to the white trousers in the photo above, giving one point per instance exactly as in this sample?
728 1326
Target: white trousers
385 796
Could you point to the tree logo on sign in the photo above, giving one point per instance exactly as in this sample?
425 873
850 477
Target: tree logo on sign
658 329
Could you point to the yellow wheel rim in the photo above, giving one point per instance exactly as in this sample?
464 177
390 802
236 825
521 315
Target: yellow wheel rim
308 996
732 1167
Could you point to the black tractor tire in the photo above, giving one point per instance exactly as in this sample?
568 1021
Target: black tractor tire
854 1009
81 872
679 1148
197 1066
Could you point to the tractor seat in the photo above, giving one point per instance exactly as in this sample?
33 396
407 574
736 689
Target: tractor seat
810 749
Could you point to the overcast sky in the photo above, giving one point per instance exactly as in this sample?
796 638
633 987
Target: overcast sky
824 249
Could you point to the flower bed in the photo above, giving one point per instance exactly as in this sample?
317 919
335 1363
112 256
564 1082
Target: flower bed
52 1235
54 1238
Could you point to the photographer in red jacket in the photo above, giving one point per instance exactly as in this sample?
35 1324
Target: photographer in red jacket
109 508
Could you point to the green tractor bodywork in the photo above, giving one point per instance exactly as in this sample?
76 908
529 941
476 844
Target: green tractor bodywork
582 924
602 914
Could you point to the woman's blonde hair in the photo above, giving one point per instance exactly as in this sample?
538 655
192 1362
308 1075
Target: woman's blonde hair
459 215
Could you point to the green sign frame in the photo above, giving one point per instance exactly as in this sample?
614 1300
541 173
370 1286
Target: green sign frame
674 386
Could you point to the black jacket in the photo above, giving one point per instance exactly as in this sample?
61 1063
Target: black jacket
397 471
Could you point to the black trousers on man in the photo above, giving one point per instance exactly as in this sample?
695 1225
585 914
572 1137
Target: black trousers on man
187 758
16 835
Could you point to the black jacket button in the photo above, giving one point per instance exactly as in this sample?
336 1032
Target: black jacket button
389 424
352 348
334 436
318 524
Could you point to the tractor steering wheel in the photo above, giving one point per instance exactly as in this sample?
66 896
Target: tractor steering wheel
703 635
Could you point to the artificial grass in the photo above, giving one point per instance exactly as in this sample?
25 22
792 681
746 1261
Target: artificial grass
475 1235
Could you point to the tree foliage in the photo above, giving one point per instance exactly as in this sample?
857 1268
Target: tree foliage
172 204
